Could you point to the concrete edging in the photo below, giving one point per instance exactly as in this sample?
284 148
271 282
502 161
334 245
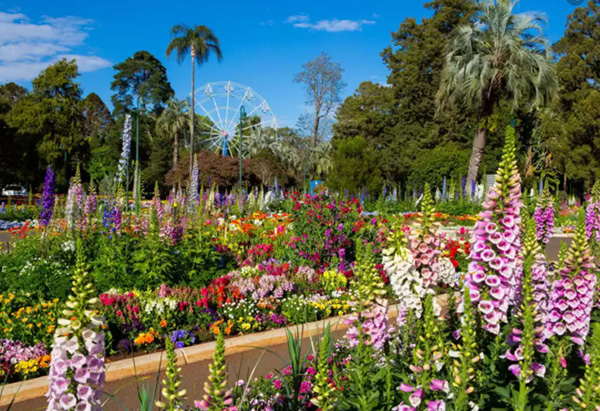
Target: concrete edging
150 363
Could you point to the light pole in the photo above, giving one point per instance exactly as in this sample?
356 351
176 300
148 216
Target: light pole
242 117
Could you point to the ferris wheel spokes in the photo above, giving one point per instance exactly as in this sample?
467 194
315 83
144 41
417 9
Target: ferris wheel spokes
223 135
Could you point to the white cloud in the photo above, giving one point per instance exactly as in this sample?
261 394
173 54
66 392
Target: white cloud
86 63
333 26
23 71
8 17
20 71
297 18
27 48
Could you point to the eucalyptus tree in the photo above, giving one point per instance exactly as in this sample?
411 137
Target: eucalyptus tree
501 57
173 122
200 43
322 79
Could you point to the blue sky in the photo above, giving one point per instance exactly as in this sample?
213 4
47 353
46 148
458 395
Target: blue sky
264 42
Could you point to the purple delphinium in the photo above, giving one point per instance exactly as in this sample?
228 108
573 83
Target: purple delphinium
48 197
572 297
495 268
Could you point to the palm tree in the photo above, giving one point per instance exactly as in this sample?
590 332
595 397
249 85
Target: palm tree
200 43
321 159
503 57
261 139
173 121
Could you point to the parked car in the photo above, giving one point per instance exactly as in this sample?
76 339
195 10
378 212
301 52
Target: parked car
14 191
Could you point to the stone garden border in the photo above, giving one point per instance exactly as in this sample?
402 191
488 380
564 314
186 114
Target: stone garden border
150 363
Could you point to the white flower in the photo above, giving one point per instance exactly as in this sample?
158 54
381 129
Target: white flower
445 271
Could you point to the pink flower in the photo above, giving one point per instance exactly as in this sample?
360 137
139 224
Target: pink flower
538 369
438 405
416 397
440 385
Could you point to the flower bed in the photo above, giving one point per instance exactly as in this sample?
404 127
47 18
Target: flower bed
244 274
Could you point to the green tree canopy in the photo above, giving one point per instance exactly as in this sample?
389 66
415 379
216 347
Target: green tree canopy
52 113
399 120
572 126
143 76
354 167
504 57
97 117
18 162
173 123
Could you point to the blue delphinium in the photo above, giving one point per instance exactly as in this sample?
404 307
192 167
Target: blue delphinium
48 197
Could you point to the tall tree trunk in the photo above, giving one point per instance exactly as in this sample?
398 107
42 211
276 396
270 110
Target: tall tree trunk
175 150
476 156
192 114
316 131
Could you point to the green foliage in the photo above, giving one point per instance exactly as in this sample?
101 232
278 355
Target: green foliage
141 76
368 284
39 266
199 41
498 59
571 126
171 393
464 369
174 123
588 394
325 393
431 166
97 117
53 115
216 395
15 163
355 165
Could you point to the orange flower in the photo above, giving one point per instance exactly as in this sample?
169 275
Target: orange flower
229 327
163 323
215 328
149 338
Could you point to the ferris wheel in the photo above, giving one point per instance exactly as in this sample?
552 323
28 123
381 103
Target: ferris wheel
220 104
